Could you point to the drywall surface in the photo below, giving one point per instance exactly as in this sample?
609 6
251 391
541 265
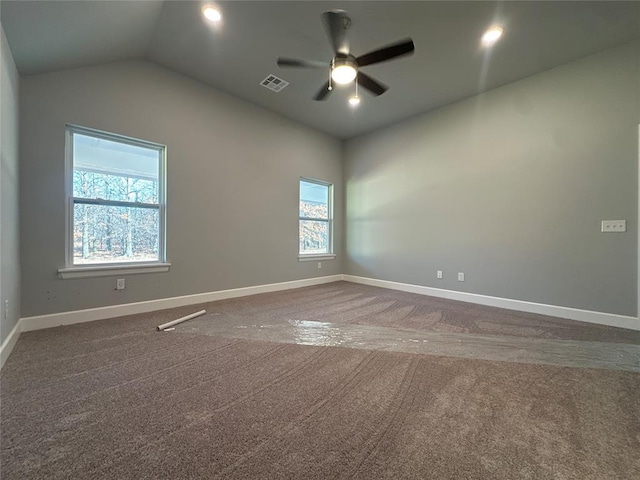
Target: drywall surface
510 188
9 194
233 179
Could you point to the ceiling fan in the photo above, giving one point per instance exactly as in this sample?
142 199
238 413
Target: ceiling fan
344 66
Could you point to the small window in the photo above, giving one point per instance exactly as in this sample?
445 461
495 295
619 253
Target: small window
315 217
116 199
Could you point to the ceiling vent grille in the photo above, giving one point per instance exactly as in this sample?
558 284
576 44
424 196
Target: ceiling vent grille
274 83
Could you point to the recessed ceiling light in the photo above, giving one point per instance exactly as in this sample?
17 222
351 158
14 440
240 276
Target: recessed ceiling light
354 101
211 13
491 36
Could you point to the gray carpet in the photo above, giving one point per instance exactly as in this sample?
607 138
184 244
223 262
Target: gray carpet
116 399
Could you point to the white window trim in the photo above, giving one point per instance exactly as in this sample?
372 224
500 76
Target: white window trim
311 257
111 270
72 270
302 257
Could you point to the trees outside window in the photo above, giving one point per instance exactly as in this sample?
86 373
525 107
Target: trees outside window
116 198
315 217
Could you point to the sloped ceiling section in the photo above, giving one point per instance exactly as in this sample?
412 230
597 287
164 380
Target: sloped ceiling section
238 53
48 36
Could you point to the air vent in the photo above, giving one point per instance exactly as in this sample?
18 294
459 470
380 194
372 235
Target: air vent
274 83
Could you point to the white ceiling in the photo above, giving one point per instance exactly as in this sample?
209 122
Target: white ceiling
448 64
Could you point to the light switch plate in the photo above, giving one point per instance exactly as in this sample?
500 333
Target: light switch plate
614 226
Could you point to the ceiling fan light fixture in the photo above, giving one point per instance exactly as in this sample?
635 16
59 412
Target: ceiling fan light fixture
354 101
345 67
211 13
492 35
344 71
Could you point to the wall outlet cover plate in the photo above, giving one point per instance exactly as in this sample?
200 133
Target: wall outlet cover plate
614 226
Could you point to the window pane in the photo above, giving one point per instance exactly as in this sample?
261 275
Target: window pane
314 236
114 171
88 184
314 200
106 234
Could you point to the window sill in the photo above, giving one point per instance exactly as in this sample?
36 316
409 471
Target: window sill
112 270
316 257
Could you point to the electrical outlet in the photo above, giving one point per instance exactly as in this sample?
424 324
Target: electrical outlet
614 226
460 277
319 265
120 284
439 274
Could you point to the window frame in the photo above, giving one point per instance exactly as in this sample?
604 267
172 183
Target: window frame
72 270
330 255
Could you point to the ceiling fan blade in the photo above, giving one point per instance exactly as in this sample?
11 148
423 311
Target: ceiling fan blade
336 24
370 84
403 47
297 62
323 92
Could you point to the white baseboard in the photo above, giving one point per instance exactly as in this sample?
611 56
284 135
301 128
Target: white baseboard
600 318
79 316
9 343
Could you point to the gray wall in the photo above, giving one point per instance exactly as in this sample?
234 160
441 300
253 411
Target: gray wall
9 228
508 187
233 172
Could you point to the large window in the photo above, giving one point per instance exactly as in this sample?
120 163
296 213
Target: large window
315 217
116 199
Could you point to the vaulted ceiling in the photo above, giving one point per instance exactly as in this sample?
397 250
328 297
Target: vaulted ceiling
238 52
